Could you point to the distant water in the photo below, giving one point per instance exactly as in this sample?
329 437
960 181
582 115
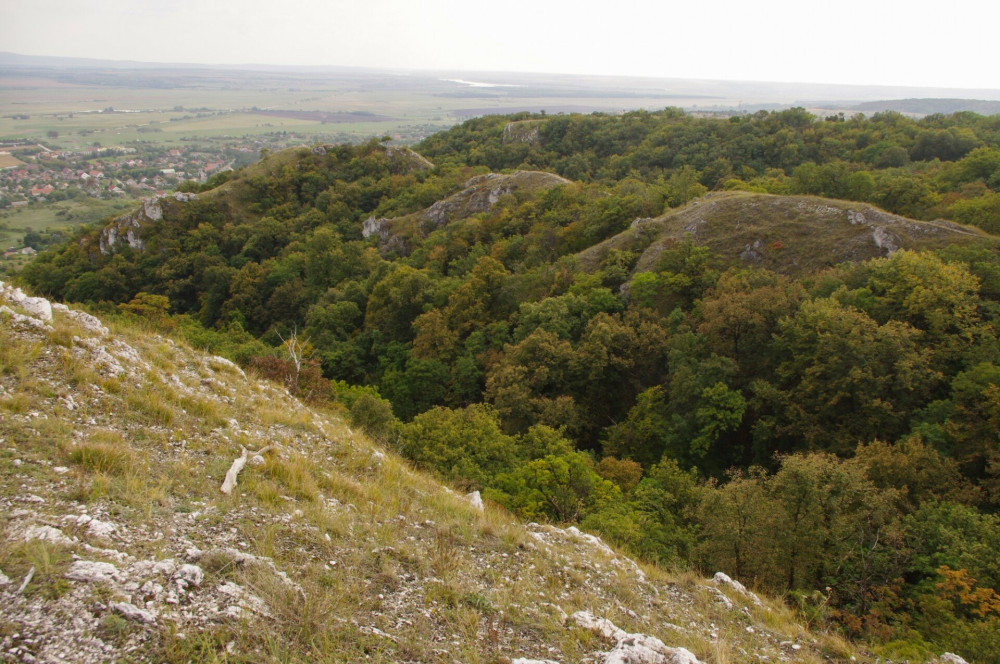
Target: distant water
478 84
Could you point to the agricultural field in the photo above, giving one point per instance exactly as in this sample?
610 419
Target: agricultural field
45 219
70 108
7 160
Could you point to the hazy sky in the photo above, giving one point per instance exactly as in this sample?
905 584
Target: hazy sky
888 42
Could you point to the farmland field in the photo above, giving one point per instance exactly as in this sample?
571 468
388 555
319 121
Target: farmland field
59 215
70 108
8 160
113 103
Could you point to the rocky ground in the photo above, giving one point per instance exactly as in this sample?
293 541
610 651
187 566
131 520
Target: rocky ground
118 544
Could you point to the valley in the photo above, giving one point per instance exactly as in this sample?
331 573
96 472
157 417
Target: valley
758 343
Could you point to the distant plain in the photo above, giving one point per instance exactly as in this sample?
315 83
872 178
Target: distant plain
165 104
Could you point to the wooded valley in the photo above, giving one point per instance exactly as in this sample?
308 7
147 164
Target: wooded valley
766 344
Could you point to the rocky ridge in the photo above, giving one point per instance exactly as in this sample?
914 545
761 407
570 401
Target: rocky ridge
116 543
787 234
480 194
128 227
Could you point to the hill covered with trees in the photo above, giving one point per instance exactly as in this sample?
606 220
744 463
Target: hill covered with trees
648 324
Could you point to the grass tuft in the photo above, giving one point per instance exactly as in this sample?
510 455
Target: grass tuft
295 474
107 453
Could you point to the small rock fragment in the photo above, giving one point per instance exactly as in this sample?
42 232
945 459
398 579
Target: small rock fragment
190 575
93 572
132 612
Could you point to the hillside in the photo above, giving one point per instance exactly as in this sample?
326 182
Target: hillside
752 345
118 545
480 194
794 235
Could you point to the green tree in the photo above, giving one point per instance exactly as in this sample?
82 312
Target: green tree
720 411
396 301
668 499
844 378
559 487
737 527
465 446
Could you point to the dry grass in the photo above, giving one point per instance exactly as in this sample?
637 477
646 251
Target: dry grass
78 371
209 412
153 405
294 475
16 354
372 543
48 560
107 453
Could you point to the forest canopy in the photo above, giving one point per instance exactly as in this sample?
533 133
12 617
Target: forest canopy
828 430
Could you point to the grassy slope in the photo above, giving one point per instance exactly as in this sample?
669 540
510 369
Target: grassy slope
383 564
790 234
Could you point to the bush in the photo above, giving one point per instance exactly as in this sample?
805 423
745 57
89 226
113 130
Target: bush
373 415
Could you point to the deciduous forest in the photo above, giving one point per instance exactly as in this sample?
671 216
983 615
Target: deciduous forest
508 306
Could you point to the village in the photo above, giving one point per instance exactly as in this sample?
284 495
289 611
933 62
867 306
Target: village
45 174
34 176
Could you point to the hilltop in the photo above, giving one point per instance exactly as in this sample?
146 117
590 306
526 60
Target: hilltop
794 235
118 545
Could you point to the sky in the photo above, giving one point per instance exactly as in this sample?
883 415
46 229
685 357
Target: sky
859 42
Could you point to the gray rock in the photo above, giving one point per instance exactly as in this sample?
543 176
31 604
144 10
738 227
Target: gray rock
952 658
166 567
46 534
885 240
632 648
721 598
93 572
476 500
134 613
128 226
724 580
85 320
97 528
190 575
753 252
520 132
372 226
36 307
151 208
